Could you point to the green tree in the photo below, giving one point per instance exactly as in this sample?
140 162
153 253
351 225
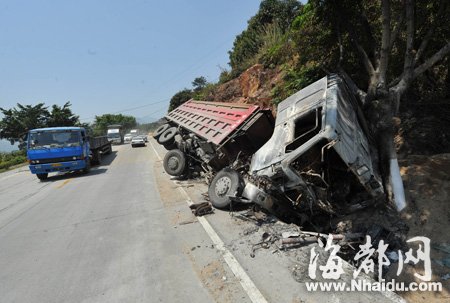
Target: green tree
199 83
62 116
17 121
381 48
179 98
101 122
247 44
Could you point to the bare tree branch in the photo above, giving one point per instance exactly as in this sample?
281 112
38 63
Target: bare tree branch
361 52
341 47
431 29
404 83
408 67
352 85
385 39
369 33
432 60
396 30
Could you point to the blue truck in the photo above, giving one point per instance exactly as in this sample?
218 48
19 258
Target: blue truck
64 149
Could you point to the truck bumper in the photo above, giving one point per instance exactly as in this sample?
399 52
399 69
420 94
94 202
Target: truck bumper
57 167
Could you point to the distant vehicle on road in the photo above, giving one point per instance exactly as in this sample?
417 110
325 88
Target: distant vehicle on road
134 132
145 138
127 138
57 149
137 141
115 134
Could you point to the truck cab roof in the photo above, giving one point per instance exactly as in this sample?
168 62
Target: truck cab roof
57 128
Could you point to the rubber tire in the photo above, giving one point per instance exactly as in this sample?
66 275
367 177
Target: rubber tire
159 131
168 137
87 169
96 158
182 162
236 187
42 177
109 150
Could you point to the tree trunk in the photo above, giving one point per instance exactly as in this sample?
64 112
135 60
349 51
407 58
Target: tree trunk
381 112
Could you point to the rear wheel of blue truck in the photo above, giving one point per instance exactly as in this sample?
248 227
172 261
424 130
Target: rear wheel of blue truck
88 166
159 131
175 163
96 157
225 183
42 176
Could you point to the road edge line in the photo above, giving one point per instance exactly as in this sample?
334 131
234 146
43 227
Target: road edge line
247 284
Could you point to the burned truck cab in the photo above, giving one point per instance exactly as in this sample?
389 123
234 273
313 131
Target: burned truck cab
319 155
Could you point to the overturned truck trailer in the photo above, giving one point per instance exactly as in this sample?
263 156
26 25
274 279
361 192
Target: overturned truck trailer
209 136
319 156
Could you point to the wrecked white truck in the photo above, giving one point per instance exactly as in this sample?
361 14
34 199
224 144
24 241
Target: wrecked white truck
318 157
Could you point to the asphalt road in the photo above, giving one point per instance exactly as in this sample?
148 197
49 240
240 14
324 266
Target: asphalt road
101 237
124 233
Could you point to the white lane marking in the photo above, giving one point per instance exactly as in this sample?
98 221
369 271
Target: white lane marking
247 284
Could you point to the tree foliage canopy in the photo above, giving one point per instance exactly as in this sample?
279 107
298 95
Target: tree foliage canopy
246 46
101 123
199 83
179 98
62 116
17 121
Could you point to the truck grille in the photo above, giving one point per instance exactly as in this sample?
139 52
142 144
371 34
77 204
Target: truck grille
54 160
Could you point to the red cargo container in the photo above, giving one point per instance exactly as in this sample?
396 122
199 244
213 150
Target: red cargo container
215 133
213 121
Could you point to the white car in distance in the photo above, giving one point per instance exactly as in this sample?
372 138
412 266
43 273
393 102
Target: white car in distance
137 141
127 138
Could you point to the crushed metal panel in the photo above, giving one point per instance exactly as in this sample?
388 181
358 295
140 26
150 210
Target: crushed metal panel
213 121
288 110
301 101
352 144
340 126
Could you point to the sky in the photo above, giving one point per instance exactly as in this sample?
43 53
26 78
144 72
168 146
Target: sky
113 56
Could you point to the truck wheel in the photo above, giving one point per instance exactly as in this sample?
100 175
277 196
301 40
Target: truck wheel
42 176
158 132
168 137
108 150
87 169
96 157
227 182
175 163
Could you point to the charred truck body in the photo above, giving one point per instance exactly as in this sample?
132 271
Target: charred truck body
318 155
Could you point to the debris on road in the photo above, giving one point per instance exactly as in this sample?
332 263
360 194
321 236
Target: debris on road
201 209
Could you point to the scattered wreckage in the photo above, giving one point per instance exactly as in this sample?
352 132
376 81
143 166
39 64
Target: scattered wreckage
315 158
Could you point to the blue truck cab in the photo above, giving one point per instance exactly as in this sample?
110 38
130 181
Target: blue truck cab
63 149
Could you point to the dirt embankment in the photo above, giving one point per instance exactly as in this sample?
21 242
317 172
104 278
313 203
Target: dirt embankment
427 188
254 86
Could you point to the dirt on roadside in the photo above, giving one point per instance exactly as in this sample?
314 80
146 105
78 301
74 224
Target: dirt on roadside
427 185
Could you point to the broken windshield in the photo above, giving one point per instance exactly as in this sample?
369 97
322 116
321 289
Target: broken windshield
48 139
